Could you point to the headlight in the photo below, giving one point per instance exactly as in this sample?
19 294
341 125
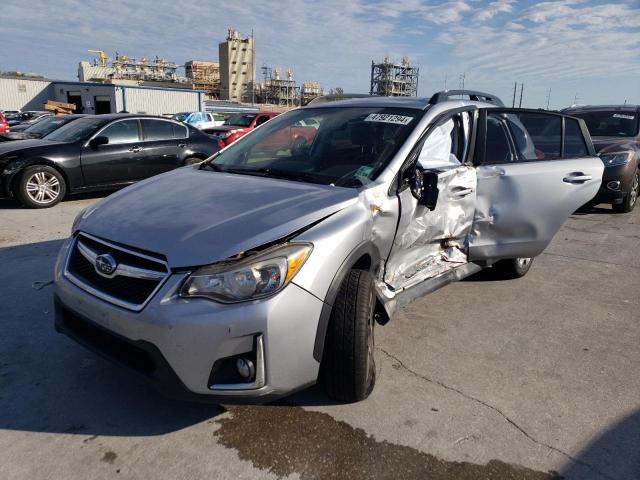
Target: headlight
257 276
615 159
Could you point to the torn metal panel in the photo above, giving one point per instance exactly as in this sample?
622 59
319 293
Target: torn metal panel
429 243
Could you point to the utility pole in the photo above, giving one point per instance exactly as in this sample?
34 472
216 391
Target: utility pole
521 89
445 81
463 77
548 98
515 87
575 99
253 69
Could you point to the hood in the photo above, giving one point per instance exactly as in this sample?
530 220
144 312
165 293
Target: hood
21 145
197 217
613 144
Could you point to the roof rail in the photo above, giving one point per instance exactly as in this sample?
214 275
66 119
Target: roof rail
472 94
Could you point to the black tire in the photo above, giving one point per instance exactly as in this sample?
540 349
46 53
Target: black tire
192 161
348 366
631 198
40 186
511 268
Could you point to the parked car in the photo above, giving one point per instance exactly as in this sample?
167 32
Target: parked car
238 125
10 112
4 125
615 130
39 129
97 153
200 120
29 117
257 273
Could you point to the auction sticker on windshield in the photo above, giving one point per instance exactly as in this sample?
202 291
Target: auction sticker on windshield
388 118
626 117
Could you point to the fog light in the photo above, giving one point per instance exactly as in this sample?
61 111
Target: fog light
615 185
245 368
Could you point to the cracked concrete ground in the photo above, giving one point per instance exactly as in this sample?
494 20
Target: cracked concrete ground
533 378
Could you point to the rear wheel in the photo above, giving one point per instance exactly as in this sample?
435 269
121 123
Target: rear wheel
348 364
40 186
631 198
511 268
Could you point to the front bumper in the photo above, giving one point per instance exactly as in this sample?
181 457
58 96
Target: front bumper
174 342
616 182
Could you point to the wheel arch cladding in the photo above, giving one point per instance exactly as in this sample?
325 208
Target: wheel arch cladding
363 257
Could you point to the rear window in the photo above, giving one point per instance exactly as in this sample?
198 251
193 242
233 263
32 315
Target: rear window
157 130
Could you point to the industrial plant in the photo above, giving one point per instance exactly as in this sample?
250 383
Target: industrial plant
394 79
157 85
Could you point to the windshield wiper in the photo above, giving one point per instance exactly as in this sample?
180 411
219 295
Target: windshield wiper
274 173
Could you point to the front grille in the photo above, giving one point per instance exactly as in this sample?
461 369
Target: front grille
131 288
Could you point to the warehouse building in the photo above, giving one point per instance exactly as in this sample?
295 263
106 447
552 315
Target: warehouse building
98 98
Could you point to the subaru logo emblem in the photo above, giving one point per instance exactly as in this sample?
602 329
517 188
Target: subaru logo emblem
106 264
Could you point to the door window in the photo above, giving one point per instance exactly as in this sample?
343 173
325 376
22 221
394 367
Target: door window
537 136
497 148
157 130
447 143
124 131
574 145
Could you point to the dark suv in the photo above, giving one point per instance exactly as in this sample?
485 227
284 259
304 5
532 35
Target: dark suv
615 130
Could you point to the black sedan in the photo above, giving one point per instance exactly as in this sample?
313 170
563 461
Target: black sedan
97 153
39 129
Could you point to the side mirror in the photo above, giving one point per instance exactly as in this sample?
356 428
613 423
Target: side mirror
97 141
424 187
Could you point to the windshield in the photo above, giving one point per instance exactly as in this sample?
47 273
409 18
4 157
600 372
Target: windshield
340 146
77 130
181 116
610 124
240 120
47 125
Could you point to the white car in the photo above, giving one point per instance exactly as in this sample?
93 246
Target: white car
200 120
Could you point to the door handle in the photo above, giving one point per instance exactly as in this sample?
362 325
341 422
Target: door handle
135 149
577 177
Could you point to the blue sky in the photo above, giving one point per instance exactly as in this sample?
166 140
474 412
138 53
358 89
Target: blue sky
584 48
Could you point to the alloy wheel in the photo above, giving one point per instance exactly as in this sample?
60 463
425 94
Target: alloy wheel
635 189
43 188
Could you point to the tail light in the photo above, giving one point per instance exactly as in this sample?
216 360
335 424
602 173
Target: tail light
221 143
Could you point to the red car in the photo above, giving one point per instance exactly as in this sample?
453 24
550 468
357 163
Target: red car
238 125
4 126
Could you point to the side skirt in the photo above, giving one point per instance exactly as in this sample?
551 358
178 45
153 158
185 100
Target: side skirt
393 300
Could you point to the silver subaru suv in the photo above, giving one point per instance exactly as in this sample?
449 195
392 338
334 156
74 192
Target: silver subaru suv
265 268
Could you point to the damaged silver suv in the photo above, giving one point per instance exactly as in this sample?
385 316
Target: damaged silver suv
265 268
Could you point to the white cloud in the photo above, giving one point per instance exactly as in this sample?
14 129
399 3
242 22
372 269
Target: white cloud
493 9
496 42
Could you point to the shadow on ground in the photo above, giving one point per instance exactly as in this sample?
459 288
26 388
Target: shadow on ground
48 383
613 454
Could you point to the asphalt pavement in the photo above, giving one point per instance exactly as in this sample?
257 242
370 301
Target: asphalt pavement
535 378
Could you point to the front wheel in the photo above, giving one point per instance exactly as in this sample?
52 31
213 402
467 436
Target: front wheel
631 198
348 366
40 186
